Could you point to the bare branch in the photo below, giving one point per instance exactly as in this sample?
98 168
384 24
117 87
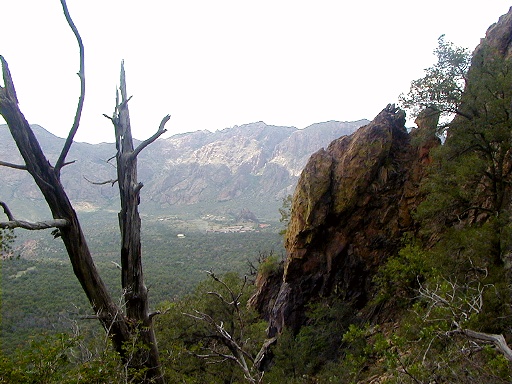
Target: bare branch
220 297
137 188
462 307
145 143
132 326
153 314
111 181
498 340
68 163
111 158
232 339
13 223
9 91
56 223
124 103
234 297
263 352
7 210
11 165
89 317
81 74
214 355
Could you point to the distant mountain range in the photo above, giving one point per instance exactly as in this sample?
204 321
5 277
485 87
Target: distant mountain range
248 168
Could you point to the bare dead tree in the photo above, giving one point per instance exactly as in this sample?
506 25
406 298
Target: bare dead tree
134 290
130 327
461 302
230 343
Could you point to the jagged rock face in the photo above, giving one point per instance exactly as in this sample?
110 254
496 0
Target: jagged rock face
499 35
253 165
350 209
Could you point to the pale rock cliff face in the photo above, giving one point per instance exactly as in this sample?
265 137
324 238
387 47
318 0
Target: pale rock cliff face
255 164
294 152
351 207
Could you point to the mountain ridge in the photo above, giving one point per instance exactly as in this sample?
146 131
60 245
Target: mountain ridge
251 166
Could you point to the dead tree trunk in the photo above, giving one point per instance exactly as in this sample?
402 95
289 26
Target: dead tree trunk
48 181
135 292
133 327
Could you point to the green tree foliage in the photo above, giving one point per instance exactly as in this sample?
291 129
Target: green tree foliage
465 227
303 356
268 265
175 267
285 212
471 182
61 359
443 83
397 280
7 238
192 348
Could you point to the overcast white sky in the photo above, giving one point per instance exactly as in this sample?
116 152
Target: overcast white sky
216 64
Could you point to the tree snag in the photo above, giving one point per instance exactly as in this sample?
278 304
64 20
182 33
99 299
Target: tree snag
131 328
135 293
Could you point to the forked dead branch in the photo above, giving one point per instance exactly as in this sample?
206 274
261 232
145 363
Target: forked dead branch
131 323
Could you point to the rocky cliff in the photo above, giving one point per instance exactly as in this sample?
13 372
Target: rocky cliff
499 36
351 207
251 166
354 200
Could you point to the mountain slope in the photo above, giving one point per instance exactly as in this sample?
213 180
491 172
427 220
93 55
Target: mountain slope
252 166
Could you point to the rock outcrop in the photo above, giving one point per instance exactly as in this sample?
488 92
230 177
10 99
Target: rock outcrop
499 35
351 207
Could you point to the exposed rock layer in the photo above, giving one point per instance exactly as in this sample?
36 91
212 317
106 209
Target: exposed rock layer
250 166
350 209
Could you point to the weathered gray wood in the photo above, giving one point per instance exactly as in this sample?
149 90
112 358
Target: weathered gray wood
81 74
134 327
33 226
498 340
134 290
49 184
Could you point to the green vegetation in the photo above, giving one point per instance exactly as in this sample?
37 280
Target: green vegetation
285 212
210 335
60 359
443 84
7 238
441 307
173 267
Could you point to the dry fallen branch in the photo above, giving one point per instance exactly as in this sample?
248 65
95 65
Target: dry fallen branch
462 307
498 340
34 226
